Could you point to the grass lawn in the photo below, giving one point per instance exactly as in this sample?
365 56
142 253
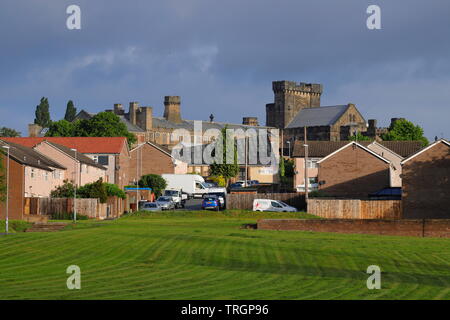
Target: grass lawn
197 255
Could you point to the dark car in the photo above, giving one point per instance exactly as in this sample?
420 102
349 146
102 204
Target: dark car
236 185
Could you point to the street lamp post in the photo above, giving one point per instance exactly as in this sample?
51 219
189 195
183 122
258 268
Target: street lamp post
75 191
7 190
289 148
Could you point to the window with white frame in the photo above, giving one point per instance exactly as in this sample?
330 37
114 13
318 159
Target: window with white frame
312 163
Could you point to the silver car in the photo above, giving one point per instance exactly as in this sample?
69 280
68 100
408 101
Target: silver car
151 206
165 203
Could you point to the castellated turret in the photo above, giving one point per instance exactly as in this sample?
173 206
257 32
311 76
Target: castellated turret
290 98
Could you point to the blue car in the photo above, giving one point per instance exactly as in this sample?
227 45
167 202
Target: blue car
211 203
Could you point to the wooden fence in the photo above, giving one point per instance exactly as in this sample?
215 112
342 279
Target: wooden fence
355 208
244 201
91 208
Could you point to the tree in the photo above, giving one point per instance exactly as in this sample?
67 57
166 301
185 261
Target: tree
282 169
359 137
66 190
153 181
8 132
404 130
61 128
96 190
114 191
103 124
224 169
71 111
43 113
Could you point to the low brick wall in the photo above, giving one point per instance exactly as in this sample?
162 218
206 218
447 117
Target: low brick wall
439 228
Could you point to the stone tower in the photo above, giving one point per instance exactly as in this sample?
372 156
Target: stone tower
172 109
290 98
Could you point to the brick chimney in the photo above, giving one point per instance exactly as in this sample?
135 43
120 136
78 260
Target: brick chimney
118 109
34 130
250 121
172 109
144 118
134 106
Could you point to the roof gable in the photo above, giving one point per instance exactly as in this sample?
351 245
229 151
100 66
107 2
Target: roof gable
30 157
445 142
358 145
90 145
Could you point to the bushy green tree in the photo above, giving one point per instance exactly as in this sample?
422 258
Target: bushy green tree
66 190
42 113
61 128
359 137
113 190
154 181
71 111
96 190
224 169
404 130
8 132
103 124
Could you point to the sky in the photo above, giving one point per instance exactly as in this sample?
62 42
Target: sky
222 56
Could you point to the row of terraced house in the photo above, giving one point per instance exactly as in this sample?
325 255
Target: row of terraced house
40 164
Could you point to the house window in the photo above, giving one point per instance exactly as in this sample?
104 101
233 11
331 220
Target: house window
312 163
103 160
32 173
46 176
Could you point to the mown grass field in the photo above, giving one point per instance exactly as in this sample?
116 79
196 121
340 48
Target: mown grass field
193 255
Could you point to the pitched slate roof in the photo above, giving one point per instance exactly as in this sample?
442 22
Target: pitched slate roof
319 116
101 145
29 157
320 149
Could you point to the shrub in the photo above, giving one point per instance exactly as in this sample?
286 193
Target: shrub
154 181
113 190
220 180
64 191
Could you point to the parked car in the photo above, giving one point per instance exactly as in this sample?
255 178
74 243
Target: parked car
236 185
254 182
151 206
211 203
165 203
177 197
220 195
272 205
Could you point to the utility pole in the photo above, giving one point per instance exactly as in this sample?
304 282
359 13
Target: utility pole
246 165
75 191
305 144
7 191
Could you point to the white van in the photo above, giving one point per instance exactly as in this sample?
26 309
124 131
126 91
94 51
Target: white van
272 205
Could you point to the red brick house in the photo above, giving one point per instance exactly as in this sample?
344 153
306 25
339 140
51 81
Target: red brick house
426 182
152 158
30 175
110 152
353 171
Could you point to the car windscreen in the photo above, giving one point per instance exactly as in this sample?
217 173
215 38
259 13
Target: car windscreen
164 199
210 199
171 193
150 205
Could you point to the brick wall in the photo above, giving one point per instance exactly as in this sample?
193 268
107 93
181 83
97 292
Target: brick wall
426 184
151 161
16 190
353 172
413 228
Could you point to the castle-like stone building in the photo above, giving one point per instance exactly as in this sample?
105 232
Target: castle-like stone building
297 105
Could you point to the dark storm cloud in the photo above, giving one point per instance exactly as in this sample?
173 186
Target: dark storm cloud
221 56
